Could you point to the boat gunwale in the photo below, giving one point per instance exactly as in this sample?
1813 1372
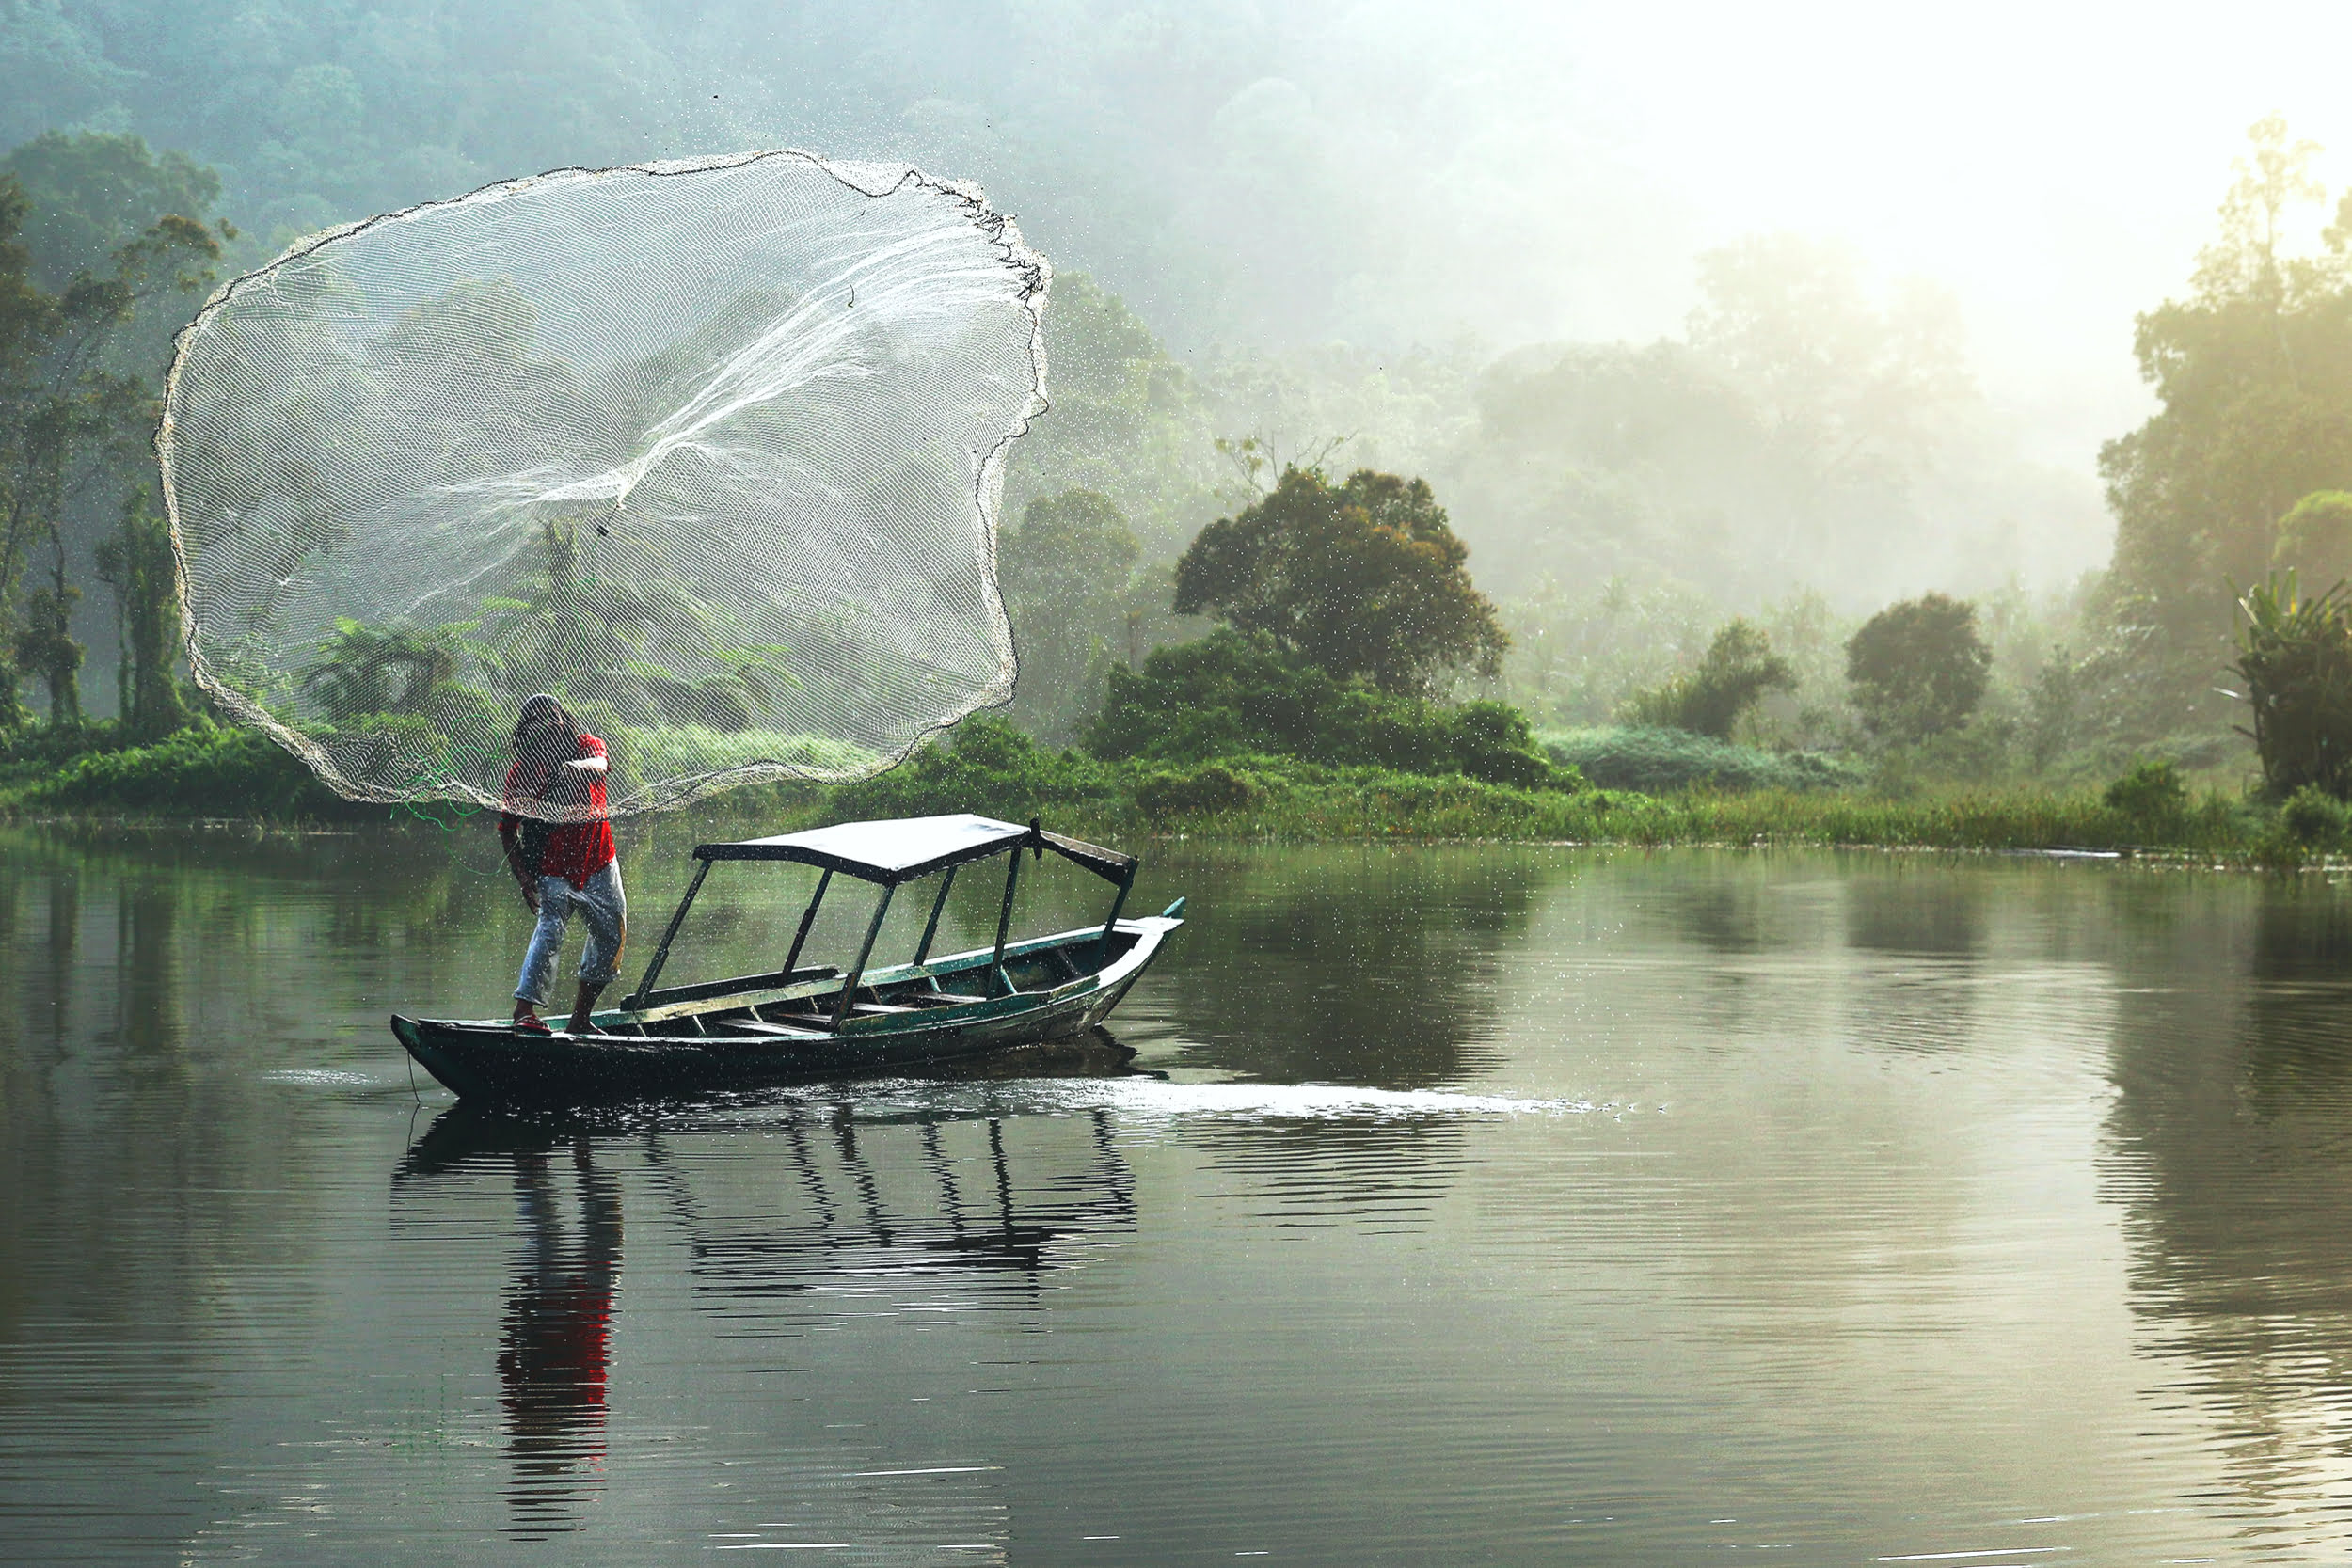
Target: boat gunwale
1148 930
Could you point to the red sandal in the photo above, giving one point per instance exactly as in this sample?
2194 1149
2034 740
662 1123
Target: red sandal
531 1023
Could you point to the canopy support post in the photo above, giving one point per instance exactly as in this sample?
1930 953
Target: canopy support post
662 953
808 918
996 975
930 927
866 950
1118 903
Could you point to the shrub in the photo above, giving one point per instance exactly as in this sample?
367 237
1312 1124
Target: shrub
1234 695
2295 656
1738 669
1203 791
1661 761
201 769
2315 818
986 767
2150 793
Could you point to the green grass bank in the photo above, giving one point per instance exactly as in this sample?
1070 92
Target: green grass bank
212 771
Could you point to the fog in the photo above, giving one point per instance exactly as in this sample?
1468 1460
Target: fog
1370 207
1391 172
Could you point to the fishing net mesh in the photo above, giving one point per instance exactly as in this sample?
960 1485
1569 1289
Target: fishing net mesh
711 451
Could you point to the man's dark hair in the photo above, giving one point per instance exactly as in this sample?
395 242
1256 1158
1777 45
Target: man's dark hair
546 736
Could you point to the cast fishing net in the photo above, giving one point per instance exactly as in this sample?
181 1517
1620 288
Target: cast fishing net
712 450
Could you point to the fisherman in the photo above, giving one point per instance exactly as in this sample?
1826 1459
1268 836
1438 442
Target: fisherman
559 845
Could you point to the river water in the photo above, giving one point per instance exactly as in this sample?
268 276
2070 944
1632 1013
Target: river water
1459 1204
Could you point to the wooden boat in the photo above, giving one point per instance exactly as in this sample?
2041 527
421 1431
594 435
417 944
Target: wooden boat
801 1022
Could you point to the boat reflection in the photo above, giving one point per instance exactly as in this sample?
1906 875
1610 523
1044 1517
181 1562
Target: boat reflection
783 1205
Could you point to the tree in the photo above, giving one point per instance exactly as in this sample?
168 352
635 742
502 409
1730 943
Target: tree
366 669
2254 376
1364 578
67 416
92 191
1065 573
1738 669
45 646
137 562
1919 668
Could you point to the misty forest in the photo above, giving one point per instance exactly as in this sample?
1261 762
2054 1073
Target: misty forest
1790 549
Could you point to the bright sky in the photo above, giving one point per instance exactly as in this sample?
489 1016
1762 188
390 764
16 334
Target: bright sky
2056 166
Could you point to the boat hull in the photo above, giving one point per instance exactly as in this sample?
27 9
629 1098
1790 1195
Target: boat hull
487 1060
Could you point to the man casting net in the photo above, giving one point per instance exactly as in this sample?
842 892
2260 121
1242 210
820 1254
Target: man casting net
711 451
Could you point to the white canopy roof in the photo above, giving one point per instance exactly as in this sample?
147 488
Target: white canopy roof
890 852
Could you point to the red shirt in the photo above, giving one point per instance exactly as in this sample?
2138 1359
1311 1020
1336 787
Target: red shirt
576 851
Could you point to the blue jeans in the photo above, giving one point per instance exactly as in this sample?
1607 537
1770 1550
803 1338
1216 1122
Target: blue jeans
606 908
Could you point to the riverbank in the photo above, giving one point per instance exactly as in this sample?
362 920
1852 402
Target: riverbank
217 772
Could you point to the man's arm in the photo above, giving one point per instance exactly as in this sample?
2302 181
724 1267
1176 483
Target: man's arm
510 839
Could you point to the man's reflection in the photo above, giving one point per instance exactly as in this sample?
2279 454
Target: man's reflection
555 1347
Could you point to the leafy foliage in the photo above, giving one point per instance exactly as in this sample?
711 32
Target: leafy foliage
1236 694
1919 668
2315 539
2151 792
1738 669
45 646
2314 818
90 191
1360 579
2254 376
200 770
2295 656
1843 383
368 669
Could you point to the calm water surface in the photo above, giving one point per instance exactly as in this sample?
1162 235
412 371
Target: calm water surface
1459 1205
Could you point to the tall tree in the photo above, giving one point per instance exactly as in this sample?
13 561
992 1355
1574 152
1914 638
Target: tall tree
2254 376
1360 579
69 414
137 562
45 646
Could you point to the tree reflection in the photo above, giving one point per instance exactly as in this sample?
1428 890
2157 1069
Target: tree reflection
1937 915
2233 1063
1376 967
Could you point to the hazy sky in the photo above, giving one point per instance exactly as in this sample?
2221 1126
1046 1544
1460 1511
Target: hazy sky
1399 169
2057 166
1541 170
